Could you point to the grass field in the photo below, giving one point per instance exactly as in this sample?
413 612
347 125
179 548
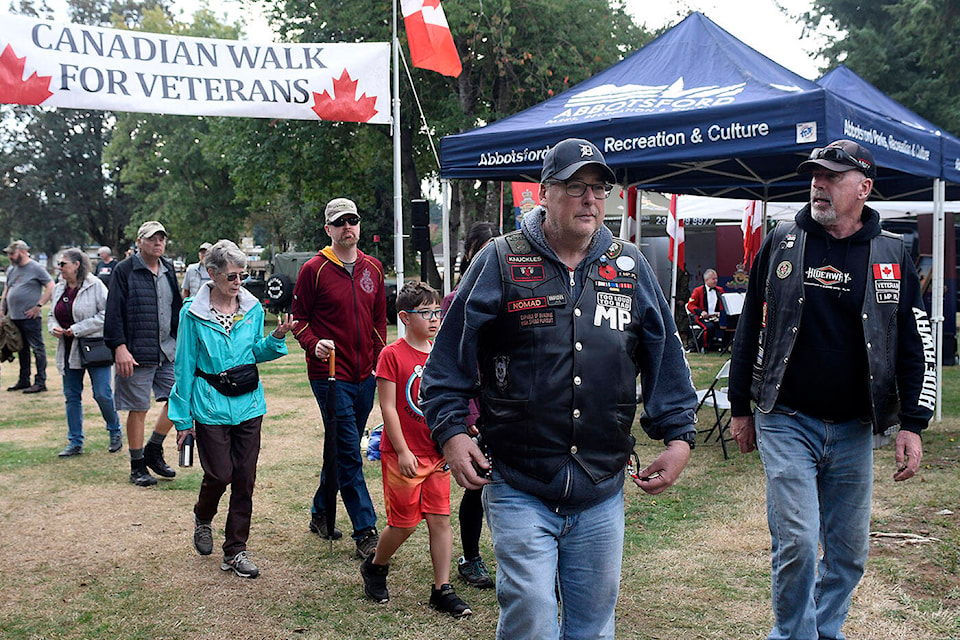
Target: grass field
87 555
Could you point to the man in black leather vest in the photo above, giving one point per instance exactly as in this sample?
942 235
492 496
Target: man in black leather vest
559 319
833 345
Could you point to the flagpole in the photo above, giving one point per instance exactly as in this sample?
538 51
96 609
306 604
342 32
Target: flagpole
397 187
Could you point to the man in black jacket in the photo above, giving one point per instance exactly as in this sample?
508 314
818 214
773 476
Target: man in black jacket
833 338
143 309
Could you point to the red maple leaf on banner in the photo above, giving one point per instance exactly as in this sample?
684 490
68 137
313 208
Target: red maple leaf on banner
13 88
345 107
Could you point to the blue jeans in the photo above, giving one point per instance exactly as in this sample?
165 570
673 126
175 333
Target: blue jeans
354 402
542 556
32 332
102 393
819 486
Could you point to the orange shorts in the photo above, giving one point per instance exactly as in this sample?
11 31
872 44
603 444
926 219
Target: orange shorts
409 499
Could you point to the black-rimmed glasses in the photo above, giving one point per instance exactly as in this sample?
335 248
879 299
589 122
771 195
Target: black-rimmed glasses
342 220
233 277
576 188
841 155
426 314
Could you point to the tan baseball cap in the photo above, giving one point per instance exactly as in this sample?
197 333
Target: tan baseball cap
339 207
149 229
16 245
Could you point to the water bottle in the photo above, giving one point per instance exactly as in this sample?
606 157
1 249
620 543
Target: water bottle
186 451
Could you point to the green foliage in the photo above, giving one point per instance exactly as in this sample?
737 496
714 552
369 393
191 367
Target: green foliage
907 48
166 166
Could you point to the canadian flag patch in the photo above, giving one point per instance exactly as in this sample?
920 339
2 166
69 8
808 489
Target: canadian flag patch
886 271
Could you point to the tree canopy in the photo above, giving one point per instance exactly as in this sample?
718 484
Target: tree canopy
906 48
94 176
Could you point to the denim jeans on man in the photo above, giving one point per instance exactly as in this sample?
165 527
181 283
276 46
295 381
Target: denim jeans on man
542 555
354 402
819 486
32 332
102 393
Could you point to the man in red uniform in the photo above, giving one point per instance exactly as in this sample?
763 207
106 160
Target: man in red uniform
339 302
704 306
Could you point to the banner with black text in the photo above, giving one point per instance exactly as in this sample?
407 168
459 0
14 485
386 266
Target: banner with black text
81 67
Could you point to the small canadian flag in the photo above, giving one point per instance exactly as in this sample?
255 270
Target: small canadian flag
431 43
886 271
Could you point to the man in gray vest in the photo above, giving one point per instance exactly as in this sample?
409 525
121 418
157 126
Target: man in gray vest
833 345
559 318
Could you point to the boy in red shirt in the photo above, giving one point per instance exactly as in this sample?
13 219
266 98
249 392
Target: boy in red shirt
416 481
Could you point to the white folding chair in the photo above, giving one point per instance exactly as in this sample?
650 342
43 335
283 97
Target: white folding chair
716 396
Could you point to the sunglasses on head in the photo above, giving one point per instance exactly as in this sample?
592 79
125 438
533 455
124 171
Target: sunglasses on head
342 220
839 154
233 277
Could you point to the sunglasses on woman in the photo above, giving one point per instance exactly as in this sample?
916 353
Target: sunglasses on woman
233 277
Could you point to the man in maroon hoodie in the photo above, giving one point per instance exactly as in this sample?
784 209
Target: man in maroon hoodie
339 302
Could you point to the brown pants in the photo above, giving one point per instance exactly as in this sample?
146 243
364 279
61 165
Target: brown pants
228 455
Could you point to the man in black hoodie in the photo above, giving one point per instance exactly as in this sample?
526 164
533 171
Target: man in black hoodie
833 339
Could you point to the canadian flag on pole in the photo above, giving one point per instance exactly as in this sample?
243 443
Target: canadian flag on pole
751 225
675 231
431 43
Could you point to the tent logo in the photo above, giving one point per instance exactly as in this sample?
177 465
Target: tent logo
611 100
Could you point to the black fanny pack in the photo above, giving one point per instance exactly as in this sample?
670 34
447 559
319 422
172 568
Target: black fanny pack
235 381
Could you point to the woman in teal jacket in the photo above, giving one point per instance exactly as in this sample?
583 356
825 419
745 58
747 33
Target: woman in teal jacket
221 329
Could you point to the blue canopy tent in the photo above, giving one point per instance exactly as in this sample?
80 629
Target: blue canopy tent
697 111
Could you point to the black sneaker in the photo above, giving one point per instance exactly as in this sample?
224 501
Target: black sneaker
37 388
202 536
241 565
474 573
116 443
375 580
153 456
367 545
141 477
70 451
445 599
318 525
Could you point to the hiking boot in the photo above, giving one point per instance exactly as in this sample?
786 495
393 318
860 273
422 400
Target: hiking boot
153 456
20 386
36 388
375 580
71 450
241 565
139 474
318 525
367 544
116 442
445 599
474 573
202 536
